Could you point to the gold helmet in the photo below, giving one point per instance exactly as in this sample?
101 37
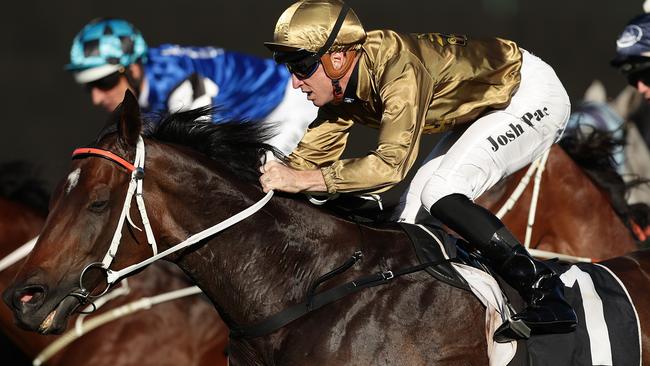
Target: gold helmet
307 25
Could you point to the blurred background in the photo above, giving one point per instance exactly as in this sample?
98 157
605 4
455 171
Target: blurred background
46 115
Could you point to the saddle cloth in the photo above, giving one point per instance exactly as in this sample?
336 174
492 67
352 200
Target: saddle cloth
608 331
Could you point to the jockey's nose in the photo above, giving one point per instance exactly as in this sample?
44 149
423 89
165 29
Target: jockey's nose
97 96
295 82
641 87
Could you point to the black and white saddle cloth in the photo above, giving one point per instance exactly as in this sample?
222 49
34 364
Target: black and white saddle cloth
608 331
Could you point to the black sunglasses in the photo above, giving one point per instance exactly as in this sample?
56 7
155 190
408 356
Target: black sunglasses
303 71
105 83
643 76
301 63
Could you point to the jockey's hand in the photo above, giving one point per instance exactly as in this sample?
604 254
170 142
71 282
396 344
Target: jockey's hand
277 176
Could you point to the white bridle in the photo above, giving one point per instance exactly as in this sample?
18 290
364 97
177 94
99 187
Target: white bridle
135 188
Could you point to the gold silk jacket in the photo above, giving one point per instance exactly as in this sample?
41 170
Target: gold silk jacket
407 85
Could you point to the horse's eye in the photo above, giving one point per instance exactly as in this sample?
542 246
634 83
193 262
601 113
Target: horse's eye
98 206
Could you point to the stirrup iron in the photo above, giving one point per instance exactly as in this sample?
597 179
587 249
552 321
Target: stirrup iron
511 330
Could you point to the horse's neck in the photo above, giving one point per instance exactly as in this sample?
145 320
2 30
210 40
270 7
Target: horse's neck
261 264
266 262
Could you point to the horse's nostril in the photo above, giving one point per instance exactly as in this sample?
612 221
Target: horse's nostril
26 298
30 295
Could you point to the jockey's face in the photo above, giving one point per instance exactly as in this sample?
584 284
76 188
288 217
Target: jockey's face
318 87
108 92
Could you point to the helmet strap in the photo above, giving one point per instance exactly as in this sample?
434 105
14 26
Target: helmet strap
336 74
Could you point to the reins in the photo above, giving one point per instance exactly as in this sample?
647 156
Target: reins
537 168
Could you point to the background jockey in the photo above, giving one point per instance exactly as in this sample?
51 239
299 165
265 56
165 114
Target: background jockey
633 54
110 55
502 107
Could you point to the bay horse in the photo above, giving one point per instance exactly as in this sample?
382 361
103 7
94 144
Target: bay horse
189 328
198 174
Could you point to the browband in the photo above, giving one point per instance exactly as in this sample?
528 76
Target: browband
78 153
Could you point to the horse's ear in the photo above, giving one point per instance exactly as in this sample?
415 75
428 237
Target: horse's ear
596 92
127 115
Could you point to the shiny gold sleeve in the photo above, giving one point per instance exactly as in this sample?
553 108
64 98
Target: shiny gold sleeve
322 144
405 89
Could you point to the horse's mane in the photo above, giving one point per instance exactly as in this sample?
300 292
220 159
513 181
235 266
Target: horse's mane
18 183
238 145
593 150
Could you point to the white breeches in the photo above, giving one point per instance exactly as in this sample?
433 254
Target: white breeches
472 160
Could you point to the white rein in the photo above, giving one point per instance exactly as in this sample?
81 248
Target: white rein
538 166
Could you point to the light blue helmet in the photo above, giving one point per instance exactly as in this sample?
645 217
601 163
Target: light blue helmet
103 47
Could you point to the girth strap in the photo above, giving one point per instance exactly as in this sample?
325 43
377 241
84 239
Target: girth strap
288 315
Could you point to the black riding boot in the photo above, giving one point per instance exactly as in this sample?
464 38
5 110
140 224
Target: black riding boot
540 287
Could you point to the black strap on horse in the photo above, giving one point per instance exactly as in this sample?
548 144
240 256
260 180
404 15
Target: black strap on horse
316 301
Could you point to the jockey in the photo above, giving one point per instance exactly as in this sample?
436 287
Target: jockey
499 106
110 55
633 54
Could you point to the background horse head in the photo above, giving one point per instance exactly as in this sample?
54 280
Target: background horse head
189 329
598 112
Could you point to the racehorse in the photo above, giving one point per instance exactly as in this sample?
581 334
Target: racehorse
198 174
186 331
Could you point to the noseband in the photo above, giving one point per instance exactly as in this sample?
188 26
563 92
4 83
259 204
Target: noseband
135 188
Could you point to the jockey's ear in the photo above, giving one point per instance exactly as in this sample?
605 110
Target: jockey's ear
129 124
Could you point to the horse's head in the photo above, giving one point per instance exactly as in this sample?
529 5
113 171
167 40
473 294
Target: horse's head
84 212
208 170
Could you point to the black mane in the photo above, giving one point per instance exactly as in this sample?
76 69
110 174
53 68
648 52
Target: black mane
18 183
237 145
593 150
